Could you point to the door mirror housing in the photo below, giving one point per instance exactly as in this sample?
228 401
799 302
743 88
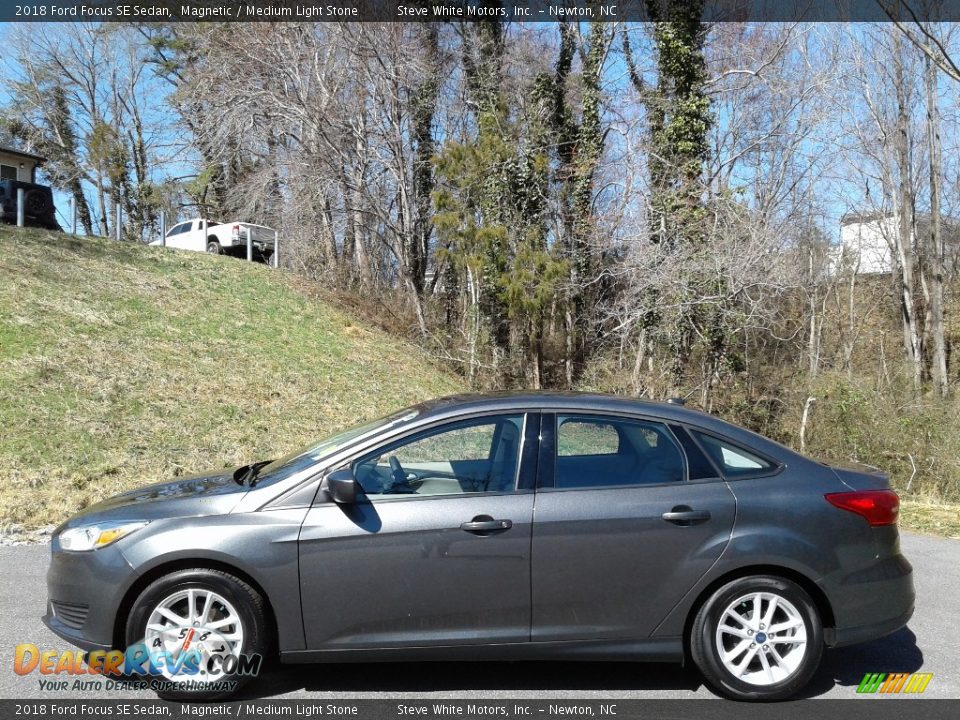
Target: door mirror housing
343 486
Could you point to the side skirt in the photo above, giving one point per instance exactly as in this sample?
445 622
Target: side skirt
647 650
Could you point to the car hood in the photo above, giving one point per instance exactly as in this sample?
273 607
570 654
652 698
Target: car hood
205 494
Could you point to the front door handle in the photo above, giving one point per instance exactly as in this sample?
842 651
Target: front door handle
486 525
684 516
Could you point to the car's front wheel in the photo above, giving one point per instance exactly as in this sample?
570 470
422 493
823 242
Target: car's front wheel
203 630
757 638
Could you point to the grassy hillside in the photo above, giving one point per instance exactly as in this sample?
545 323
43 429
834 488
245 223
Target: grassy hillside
122 365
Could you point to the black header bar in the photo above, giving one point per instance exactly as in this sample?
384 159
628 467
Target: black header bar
465 10
484 709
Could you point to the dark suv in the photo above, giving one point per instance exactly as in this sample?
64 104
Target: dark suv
38 200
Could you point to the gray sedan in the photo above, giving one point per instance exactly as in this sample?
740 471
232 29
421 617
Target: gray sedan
509 526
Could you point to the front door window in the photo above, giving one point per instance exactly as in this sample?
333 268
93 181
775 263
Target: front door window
472 456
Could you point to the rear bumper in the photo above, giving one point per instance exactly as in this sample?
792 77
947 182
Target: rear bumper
839 637
241 244
870 602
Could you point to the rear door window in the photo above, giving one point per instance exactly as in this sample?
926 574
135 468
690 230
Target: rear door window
587 437
595 451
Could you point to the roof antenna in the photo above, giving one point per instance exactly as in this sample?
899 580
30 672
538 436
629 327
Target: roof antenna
676 401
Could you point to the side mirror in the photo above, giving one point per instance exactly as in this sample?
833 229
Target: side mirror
342 486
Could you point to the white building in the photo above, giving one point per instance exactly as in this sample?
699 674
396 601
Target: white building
867 242
18 165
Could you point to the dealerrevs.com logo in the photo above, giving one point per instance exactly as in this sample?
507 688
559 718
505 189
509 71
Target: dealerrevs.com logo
894 683
193 659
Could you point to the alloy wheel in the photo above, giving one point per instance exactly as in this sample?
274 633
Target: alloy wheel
761 638
195 619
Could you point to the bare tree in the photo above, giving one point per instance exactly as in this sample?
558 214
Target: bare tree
84 97
881 88
749 273
935 253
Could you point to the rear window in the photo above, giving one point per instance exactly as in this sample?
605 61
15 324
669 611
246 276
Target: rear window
733 460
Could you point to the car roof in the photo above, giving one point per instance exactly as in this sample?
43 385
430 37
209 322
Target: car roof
556 400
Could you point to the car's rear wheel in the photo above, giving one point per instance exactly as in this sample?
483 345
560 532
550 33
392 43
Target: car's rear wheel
757 638
197 625
214 248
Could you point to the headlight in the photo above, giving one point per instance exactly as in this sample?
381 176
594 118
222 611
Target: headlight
91 537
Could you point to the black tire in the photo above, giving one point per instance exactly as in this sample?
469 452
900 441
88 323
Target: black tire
249 604
38 204
703 640
214 248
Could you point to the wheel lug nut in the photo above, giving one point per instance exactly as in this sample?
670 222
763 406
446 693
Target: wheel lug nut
749 632
753 645
761 626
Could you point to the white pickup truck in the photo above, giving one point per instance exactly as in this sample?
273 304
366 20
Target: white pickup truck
217 238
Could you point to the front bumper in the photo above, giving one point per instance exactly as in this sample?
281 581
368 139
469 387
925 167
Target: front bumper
71 635
84 593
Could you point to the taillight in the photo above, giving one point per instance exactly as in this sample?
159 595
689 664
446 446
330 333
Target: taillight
236 231
878 507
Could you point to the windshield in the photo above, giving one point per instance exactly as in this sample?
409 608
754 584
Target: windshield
302 459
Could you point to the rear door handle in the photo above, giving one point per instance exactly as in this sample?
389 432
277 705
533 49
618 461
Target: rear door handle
486 525
684 516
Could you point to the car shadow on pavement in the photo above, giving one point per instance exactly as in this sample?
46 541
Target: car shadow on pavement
439 677
846 666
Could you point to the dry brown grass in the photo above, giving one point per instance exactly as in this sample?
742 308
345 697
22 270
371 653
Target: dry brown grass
930 518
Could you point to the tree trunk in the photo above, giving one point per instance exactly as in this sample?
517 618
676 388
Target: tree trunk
904 237
813 339
935 254
83 208
328 242
424 109
102 199
361 256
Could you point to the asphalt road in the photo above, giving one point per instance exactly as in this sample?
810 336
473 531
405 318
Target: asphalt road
930 643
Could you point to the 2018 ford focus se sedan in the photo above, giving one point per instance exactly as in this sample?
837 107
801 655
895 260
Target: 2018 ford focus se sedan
510 526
